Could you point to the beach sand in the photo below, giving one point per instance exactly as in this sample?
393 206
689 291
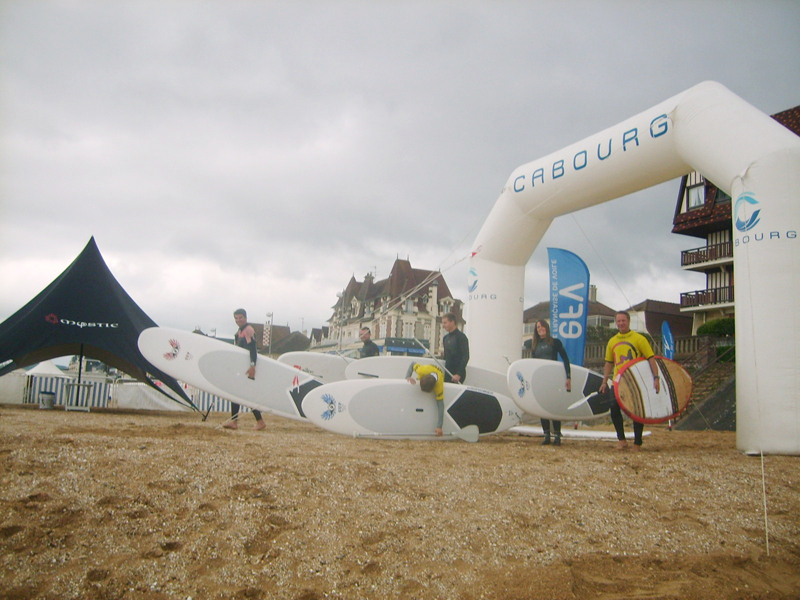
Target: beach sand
114 504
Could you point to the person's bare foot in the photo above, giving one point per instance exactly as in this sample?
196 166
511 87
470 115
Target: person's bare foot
636 447
231 425
260 425
622 444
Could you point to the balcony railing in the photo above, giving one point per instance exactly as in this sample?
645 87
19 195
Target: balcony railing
706 254
723 295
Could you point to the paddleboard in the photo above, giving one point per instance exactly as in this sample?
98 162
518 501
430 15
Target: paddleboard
221 368
395 409
537 386
637 397
396 367
567 433
325 367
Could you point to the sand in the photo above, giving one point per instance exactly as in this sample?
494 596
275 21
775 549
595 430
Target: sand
114 504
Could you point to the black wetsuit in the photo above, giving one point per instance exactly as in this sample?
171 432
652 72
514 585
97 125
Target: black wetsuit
456 355
241 341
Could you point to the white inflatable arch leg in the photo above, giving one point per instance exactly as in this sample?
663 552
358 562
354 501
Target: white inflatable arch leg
740 149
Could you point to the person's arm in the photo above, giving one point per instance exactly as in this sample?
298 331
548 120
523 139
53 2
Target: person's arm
607 369
654 370
250 338
440 409
647 352
410 372
567 367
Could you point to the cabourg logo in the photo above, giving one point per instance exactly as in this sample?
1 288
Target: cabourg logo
745 204
472 281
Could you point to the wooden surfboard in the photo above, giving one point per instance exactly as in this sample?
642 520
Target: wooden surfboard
637 397
538 388
396 367
395 409
325 367
221 368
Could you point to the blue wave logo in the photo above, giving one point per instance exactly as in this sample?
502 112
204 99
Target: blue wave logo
521 391
746 203
472 281
330 402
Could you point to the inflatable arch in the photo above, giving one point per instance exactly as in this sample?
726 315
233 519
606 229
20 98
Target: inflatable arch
744 152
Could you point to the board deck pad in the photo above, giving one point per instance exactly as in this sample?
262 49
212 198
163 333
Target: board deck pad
395 409
221 368
636 394
538 387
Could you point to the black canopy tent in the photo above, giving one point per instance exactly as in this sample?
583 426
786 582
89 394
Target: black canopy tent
83 311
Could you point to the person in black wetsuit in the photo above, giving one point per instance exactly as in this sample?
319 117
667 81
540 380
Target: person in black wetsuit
549 348
245 338
456 351
369 348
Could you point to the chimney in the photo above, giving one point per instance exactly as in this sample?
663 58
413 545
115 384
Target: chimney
592 293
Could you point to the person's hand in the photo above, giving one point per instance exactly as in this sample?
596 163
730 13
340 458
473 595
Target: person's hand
411 380
603 387
568 384
456 378
438 431
251 373
657 384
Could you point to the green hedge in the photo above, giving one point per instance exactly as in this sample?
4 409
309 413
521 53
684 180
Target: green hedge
718 327
729 357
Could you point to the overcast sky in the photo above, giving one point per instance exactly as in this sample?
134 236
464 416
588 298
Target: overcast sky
258 154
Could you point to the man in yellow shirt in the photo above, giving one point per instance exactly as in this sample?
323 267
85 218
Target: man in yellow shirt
624 347
431 379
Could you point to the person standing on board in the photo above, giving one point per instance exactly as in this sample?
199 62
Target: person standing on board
549 348
623 347
369 348
431 379
456 351
245 338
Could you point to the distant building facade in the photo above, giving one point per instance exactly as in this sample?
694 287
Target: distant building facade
704 211
408 304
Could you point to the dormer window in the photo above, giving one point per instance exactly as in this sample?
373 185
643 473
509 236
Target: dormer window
695 196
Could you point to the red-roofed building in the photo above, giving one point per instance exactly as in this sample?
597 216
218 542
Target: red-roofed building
408 304
704 211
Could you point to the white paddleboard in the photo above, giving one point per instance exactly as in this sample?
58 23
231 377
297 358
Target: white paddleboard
567 433
537 386
325 367
396 409
221 369
396 367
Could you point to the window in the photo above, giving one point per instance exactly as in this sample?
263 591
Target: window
696 196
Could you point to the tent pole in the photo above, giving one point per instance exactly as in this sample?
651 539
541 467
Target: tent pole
80 366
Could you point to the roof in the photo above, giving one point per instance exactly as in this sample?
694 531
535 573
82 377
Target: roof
402 279
542 311
790 119
659 306
658 311
294 342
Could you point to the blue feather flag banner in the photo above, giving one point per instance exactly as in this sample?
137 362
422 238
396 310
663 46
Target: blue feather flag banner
667 340
569 301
